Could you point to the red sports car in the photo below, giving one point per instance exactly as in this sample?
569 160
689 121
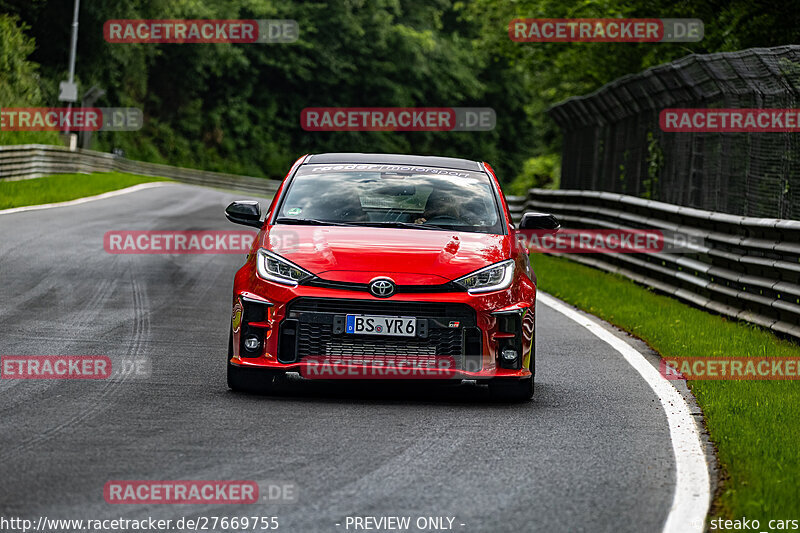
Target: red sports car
385 266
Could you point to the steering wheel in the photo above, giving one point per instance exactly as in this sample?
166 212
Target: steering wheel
438 219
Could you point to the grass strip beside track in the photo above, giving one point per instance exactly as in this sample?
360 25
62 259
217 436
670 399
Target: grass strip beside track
755 425
64 187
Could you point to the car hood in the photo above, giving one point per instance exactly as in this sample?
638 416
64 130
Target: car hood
409 256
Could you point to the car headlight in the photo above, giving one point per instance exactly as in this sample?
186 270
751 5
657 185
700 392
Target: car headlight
492 278
275 268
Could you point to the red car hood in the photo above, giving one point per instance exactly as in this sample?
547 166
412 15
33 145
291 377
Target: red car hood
408 256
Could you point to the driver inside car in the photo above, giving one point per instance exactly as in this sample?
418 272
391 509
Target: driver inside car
440 205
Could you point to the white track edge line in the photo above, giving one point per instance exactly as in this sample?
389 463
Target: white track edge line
692 497
85 199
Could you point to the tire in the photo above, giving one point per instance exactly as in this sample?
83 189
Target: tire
243 379
511 390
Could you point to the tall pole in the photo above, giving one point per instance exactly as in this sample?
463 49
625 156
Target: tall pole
74 45
72 53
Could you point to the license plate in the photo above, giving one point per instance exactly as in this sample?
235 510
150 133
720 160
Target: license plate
401 326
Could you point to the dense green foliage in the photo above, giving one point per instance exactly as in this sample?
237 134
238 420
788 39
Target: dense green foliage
19 78
541 171
236 107
552 72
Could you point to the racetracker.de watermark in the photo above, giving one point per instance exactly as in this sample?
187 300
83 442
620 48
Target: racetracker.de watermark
75 367
620 241
202 492
71 119
738 368
376 367
605 30
55 367
178 242
398 119
743 120
201 31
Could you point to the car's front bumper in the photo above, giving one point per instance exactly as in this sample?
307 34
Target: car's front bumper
460 335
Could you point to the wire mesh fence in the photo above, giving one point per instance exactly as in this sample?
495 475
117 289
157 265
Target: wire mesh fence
613 141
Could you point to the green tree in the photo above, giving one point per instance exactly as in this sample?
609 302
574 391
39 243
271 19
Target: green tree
19 78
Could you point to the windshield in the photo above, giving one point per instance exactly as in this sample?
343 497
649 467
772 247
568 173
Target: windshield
421 198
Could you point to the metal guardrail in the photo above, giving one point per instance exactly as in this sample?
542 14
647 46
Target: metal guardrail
36 160
748 269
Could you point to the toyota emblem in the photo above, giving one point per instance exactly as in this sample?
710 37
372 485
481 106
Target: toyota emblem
382 288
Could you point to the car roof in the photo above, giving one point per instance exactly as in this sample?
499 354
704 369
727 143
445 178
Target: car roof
393 159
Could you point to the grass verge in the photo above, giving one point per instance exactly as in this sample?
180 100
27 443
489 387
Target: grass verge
755 425
63 187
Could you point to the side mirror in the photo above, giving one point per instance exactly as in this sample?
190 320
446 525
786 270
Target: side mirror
540 221
245 212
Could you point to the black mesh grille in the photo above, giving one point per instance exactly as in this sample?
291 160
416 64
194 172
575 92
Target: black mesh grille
315 334
318 339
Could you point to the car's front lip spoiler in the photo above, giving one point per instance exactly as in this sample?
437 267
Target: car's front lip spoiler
317 370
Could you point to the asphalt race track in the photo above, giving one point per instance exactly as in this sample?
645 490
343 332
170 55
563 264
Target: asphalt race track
591 453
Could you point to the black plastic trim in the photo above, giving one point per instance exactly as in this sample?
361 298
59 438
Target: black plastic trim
316 281
393 159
